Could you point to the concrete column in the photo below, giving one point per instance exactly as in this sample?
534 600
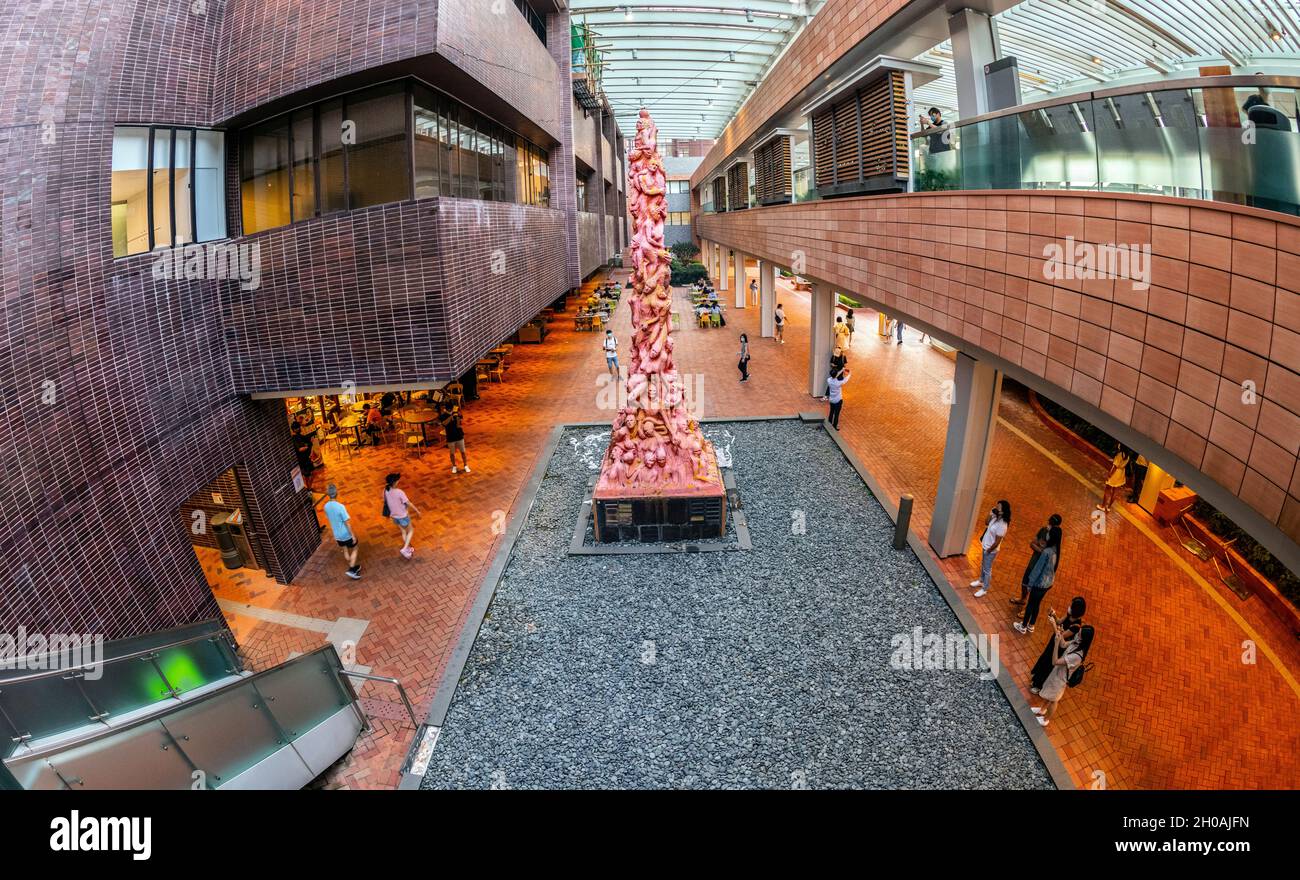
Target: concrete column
724 263
741 280
704 254
974 44
767 298
972 419
820 338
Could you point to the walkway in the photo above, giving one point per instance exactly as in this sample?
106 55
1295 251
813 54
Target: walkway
1169 705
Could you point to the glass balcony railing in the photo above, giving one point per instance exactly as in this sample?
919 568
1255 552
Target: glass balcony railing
1196 141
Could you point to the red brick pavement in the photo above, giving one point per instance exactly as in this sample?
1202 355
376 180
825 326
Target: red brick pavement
1169 705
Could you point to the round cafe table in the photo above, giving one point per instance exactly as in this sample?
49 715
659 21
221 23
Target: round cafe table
421 417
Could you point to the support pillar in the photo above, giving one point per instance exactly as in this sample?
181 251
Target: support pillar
741 280
972 419
767 298
704 257
974 44
821 337
724 264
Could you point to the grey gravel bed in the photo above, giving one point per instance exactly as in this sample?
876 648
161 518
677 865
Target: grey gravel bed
764 669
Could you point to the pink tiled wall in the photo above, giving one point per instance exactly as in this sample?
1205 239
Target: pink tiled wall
1173 362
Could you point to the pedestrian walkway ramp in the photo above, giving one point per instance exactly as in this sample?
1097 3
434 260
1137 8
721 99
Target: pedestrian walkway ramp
171 710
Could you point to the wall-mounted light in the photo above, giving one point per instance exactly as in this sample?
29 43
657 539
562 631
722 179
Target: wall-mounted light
627 13
749 16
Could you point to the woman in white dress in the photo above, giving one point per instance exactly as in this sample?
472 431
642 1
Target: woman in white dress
1069 651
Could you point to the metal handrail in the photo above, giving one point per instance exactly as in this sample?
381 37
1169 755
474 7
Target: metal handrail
134 655
400 690
1173 85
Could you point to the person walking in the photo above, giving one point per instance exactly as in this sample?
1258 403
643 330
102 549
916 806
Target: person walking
399 507
450 420
898 328
779 320
340 523
611 352
1072 645
1115 480
1040 579
851 323
1043 667
835 389
991 543
1036 548
743 366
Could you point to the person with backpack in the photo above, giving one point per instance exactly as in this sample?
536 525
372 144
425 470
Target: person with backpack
1068 667
1041 576
611 352
399 508
1043 667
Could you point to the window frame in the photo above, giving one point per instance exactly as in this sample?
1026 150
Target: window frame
149 168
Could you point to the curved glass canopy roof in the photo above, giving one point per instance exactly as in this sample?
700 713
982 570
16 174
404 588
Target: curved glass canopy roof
692 63
1065 46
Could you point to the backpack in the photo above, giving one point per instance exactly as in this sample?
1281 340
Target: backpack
1076 677
386 511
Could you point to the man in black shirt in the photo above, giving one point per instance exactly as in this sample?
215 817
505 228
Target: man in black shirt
939 141
450 419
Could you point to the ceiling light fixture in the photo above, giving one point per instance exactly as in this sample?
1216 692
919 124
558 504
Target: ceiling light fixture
749 16
627 13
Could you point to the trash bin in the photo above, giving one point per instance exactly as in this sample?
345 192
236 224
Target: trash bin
227 529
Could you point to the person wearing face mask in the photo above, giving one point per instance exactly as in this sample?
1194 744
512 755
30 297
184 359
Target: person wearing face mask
1036 548
990 544
1041 577
1072 646
1043 667
933 122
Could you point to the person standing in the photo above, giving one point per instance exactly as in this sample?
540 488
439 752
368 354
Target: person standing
1072 646
841 333
898 327
341 524
835 394
753 292
1040 579
1043 667
779 320
838 361
1115 480
743 366
450 420
399 507
851 323
1036 548
990 544
611 352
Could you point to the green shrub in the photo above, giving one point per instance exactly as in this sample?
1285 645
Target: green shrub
686 274
849 302
684 252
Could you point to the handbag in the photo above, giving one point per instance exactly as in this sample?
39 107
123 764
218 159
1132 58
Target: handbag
1076 677
386 511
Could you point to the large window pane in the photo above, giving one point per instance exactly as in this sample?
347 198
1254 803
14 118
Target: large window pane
304 164
130 191
486 147
450 182
333 195
430 156
209 185
183 180
378 162
467 162
162 188
264 160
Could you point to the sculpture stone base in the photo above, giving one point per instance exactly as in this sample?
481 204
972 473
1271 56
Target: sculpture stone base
672 513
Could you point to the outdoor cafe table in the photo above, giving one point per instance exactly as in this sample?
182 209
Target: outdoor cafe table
421 417
354 422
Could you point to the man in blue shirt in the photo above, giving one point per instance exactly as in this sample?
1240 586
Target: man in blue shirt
341 523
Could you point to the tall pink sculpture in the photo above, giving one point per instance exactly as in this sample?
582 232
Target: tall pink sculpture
656 449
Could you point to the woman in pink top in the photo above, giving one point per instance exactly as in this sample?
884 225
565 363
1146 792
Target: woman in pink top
399 507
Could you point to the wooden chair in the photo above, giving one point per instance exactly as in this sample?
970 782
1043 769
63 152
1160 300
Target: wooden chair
415 444
497 373
348 444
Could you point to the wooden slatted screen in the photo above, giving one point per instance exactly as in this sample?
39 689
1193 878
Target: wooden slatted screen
738 187
719 194
772 183
860 142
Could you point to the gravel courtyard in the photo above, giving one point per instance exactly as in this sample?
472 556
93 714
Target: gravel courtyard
768 668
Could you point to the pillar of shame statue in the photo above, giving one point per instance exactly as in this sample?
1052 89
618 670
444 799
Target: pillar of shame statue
657 448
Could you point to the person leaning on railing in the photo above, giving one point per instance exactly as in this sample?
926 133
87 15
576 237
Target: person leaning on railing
933 122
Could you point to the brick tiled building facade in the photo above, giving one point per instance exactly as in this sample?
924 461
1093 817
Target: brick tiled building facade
126 393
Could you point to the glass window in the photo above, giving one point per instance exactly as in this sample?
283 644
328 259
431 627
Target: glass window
303 125
130 191
210 184
182 181
333 193
378 161
486 149
161 187
430 155
264 176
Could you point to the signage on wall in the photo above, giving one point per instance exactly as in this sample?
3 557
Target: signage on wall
218 500
296 476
